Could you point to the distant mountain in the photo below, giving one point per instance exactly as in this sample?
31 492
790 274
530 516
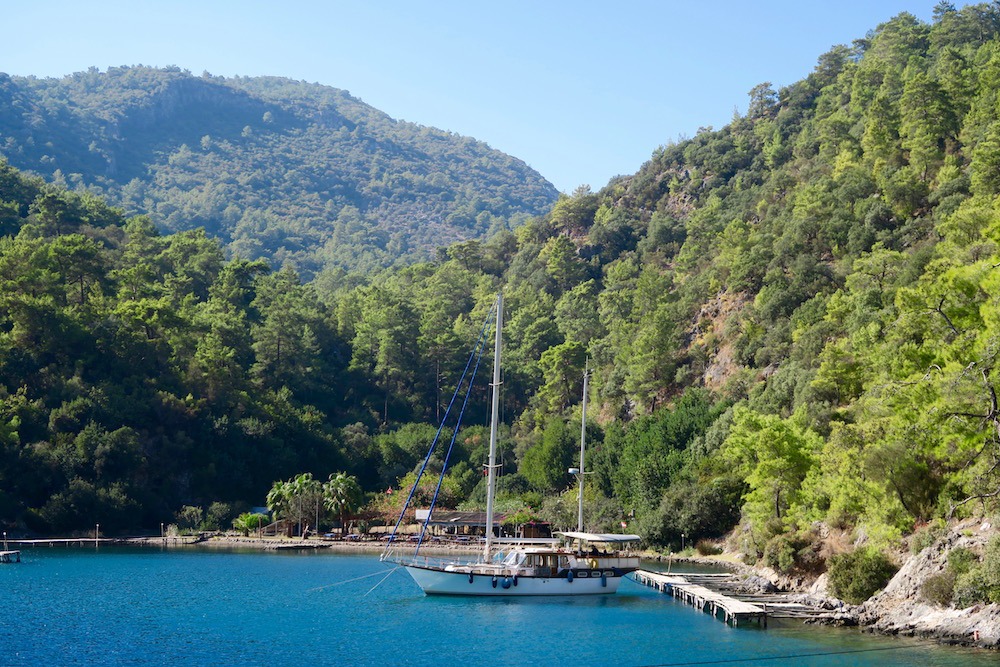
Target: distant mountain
286 170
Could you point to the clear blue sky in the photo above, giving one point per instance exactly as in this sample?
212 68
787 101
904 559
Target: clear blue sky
580 90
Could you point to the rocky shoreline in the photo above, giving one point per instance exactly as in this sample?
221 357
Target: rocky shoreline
900 608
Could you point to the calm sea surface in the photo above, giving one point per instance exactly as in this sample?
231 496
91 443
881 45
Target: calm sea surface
115 606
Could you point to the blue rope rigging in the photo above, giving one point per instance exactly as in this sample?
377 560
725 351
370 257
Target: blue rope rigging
477 352
454 436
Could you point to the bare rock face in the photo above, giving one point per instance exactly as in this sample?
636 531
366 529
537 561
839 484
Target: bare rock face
901 609
756 584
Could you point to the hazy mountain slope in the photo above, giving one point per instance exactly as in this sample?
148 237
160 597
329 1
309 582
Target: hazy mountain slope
276 168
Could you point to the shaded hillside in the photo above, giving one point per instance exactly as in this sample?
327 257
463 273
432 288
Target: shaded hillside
276 168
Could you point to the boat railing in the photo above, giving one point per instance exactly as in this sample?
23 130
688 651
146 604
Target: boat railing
469 566
434 562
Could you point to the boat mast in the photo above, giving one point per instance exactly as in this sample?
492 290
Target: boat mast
583 446
494 419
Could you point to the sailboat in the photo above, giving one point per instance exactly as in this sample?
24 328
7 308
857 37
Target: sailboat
581 563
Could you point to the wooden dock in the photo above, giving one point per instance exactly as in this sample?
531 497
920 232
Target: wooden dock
66 542
733 611
10 556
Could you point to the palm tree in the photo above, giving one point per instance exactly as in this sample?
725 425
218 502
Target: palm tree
296 499
249 522
306 496
278 499
342 496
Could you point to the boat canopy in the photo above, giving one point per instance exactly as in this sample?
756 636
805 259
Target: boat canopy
608 538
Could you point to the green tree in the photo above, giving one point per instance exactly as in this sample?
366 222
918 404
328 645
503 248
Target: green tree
79 262
773 456
563 367
383 344
342 496
545 464
985 167
298 500
562 262
927 122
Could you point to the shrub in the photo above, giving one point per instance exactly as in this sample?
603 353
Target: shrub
991 569
189 517
249 522
217 516
971 588
926 536
955 582
779 553
706 548
797 551
961 560
939 588
980 582
856 576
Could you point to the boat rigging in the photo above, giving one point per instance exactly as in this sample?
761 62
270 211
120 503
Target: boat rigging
582 564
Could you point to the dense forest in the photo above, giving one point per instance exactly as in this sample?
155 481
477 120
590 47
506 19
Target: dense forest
791 324
303 175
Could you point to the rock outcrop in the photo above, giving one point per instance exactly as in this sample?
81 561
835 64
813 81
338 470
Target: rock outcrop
900 608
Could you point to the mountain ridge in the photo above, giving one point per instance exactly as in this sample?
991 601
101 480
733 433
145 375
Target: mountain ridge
290 171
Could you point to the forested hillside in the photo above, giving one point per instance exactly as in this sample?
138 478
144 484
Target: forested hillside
292 172
791 323
790 319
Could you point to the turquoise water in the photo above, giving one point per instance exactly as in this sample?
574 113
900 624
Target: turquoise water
184 607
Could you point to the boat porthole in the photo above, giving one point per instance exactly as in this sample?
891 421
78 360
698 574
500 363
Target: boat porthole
470 577
494 582
505 583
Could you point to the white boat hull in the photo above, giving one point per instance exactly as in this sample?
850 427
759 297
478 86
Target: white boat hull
440 582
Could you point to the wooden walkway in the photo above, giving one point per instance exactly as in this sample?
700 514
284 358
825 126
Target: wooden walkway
10 556
65 541
734 611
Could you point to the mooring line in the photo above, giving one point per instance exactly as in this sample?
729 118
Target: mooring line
381 580
348 581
